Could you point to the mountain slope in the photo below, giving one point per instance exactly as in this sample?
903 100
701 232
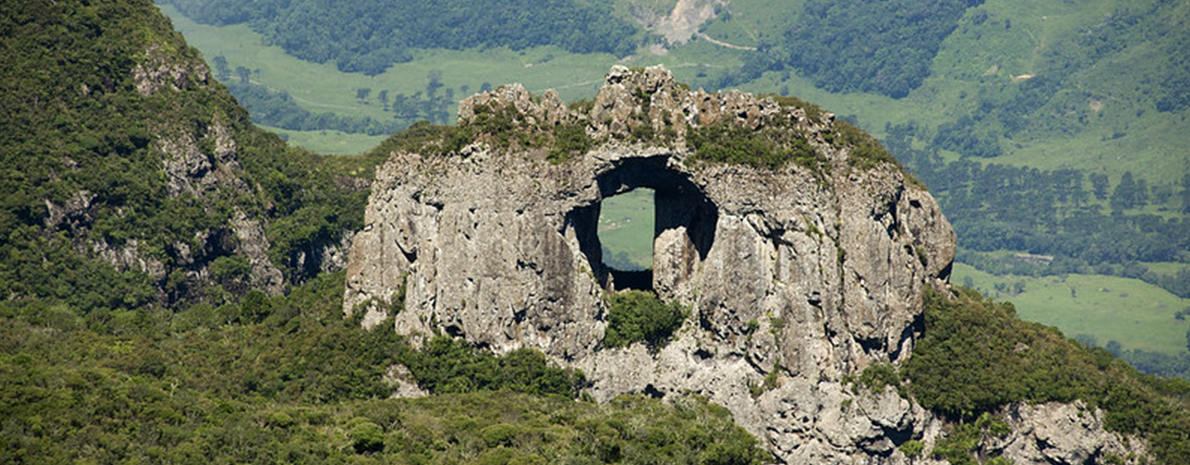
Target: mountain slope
127 164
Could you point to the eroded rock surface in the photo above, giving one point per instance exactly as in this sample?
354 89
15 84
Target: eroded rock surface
801 275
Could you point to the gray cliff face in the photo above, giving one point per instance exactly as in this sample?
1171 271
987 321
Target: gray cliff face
799 276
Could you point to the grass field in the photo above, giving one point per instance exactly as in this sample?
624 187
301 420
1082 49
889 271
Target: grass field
626 226
328 142
323 88
1135 314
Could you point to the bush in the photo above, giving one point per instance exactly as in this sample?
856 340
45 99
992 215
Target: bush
366 437
768 148
569 140
639 316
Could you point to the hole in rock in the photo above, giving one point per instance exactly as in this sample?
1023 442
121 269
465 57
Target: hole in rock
626 231
652 223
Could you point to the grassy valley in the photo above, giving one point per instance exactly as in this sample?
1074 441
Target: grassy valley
1094 308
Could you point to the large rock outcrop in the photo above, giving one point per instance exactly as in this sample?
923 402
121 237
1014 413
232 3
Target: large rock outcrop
796 276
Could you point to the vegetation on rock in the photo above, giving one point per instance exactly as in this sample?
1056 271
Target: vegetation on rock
768 148
976 357
639 316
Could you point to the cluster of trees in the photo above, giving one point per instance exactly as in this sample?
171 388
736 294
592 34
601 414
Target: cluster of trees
857 46
433 104
639 316
369 36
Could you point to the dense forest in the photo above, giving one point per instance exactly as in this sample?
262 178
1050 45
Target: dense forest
882 47
369 36
1076 217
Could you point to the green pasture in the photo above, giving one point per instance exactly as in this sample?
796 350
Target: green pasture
1136 314
626 226
328 142
1165 268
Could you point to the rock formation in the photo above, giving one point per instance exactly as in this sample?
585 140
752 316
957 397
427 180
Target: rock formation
796 276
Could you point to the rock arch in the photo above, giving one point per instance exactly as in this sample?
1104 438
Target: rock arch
796 275
684 224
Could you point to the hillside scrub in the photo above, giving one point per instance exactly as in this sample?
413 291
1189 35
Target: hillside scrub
977 357
289 378
769 148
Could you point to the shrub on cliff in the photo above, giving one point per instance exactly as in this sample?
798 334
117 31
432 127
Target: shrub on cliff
639 316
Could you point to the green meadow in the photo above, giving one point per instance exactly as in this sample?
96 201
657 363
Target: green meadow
1136 314
626 226
323 88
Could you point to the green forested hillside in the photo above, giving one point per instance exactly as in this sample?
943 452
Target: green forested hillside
880 47
119 186
977 357
369 36
288 379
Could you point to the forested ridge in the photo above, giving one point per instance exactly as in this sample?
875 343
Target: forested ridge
290 379
369 36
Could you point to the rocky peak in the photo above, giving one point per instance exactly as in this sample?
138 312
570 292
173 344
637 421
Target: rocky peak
646 105
796 274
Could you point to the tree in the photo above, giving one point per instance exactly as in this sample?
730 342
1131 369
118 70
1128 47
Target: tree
1128 193
1186 194
435 83
362 93
384 99
1099 185
244 74
222 70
